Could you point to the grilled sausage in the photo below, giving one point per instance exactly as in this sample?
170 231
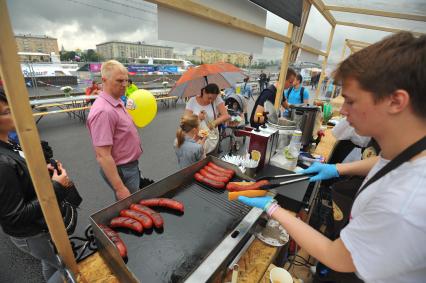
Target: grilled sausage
126 222
215 172
217 167
118 242
209 182
163 202
209 175
255 186
146 221
156 217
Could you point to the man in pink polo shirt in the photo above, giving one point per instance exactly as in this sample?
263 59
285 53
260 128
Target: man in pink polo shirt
113 133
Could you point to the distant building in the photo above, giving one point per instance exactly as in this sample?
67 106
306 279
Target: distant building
37 44
125 50
213 56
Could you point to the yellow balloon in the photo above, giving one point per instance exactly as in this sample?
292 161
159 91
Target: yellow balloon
142 106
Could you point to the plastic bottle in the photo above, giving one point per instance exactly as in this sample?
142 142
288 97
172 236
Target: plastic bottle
291 152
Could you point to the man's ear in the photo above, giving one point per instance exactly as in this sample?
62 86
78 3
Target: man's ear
398 101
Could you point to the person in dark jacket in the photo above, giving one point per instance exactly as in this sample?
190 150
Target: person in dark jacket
268 94
21 217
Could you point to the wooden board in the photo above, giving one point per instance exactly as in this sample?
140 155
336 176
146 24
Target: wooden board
254 263
94 269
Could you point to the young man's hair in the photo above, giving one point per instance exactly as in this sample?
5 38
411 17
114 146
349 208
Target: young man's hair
290 73
3 97
299 77
396 62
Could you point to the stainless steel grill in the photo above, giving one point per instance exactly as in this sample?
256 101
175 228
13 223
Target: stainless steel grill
192 247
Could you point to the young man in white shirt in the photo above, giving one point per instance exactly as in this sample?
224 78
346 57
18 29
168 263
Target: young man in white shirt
384 87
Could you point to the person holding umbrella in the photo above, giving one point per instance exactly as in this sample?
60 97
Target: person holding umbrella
211 111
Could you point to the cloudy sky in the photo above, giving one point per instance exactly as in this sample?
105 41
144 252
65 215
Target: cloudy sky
85 23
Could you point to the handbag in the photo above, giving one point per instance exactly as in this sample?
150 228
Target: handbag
68 208
212 140
69 215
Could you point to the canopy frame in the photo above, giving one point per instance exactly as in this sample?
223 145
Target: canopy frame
26 128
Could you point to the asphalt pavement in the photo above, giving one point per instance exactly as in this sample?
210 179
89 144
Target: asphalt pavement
71 145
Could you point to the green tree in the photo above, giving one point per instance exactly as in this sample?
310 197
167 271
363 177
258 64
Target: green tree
92 56
67 56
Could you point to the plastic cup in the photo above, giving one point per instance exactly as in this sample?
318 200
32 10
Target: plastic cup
280 275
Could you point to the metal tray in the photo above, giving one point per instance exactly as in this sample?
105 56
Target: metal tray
193 246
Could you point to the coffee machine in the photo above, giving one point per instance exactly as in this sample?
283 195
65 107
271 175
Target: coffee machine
305 118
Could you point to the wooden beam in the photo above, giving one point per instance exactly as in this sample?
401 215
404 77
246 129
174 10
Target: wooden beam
325 13
358 43
352 49
324 62
376 27
343 51
356 48
299 31
19 104
208 13
393 15
341 59
284 66
311 49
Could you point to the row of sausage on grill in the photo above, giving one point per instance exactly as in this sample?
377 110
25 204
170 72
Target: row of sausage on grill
137 217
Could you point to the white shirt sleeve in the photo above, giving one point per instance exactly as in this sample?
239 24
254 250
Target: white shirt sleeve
192 105
218 101
384 243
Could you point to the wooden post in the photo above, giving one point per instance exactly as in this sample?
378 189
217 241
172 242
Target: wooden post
341 59
18 98
299 31
284 67
394 30
324 62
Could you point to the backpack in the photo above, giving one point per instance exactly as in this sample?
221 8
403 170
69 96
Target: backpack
302 91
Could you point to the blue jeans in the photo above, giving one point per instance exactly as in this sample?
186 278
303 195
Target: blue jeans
39 247
129 174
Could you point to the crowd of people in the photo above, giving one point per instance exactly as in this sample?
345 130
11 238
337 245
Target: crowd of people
384 239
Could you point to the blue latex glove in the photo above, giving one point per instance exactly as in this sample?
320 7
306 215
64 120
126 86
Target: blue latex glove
325 171
259 202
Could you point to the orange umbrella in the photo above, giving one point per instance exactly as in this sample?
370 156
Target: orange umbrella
192 81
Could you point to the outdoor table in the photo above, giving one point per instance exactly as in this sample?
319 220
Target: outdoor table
73 99
74 106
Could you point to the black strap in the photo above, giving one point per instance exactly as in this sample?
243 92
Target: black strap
404 156
214 112
288 92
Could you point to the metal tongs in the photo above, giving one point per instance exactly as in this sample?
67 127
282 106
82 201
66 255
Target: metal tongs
272 186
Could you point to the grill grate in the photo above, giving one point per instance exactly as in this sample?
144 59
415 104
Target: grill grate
170 255
219 198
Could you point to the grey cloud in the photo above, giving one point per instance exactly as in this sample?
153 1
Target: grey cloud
77 25
37 17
